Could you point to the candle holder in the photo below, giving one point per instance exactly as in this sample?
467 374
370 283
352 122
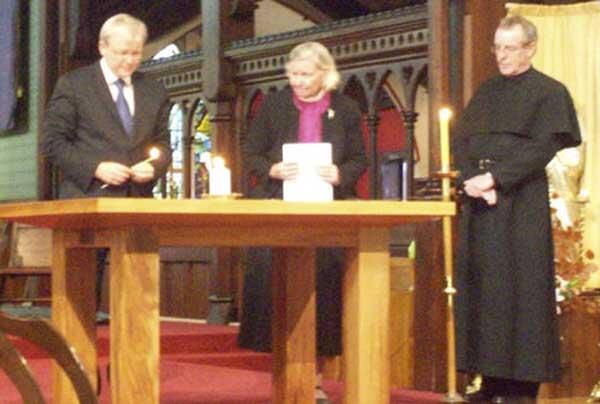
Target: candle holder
234 195
452 174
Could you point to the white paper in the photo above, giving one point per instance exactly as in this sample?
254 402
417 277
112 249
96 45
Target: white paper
308 186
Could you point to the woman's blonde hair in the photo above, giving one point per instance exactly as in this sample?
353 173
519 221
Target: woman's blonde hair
319 54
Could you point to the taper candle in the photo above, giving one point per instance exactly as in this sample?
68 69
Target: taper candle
152 155
445 114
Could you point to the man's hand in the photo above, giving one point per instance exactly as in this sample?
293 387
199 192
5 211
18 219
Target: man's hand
482 186
142 172
330 173
112 173
284 171
476 186
491 197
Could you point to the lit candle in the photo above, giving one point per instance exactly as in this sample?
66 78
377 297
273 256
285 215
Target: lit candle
152 155
219 178
445 115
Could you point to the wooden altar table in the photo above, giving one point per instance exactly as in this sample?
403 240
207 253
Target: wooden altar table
134 229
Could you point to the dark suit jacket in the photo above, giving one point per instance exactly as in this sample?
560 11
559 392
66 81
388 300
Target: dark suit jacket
277 123
82 128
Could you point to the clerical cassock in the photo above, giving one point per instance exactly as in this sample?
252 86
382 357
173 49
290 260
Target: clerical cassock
506 319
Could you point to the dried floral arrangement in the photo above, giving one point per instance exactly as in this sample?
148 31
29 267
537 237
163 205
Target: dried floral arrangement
573 265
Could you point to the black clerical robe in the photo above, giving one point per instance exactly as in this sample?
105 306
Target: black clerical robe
505 306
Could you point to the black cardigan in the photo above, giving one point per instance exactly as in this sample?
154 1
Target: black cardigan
277 123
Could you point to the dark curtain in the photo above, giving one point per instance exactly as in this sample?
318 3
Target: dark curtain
8 97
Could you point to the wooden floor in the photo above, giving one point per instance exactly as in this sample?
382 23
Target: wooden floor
573 400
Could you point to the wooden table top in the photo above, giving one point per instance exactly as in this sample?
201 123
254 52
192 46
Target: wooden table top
114 212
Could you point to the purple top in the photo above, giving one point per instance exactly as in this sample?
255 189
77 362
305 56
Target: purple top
311 126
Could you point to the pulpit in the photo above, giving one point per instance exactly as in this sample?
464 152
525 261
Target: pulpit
133 230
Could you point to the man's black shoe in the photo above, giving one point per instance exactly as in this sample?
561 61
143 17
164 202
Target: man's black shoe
479 396
513 400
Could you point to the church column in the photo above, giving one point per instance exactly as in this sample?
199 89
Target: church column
222 22
430 362
372 125
410 117
438 80
480 22
187 137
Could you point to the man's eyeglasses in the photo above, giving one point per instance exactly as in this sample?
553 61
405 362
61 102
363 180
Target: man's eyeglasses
507 48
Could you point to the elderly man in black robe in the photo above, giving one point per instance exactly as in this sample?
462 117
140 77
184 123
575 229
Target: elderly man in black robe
505 306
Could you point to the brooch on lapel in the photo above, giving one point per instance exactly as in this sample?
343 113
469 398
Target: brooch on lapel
330 113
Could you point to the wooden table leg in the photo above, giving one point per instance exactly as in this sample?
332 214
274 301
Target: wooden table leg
294 325
134 323
74 307
366 319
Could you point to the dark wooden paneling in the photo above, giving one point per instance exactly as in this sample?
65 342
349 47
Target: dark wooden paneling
430 309
580 352
184 289
484 18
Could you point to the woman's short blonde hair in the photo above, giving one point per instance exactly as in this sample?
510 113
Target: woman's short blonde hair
135 26
319 54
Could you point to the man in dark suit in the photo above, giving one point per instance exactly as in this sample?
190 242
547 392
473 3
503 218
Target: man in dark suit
103 119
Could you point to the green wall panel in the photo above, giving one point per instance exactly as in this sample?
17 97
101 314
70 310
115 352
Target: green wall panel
19 153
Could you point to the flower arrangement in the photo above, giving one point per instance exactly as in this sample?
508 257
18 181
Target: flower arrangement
573 265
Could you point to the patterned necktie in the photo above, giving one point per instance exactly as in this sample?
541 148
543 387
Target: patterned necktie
123 108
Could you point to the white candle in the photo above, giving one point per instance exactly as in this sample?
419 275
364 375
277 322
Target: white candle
445 115
404 180
219 178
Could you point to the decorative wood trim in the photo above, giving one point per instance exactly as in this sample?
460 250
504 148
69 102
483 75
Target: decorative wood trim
358 44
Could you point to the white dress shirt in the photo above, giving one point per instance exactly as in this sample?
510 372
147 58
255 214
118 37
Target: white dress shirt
110 79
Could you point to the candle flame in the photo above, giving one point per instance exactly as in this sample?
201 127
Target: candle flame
218 162
445 113
154 153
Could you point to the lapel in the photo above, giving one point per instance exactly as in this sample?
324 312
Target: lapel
292 117
328 127
141 105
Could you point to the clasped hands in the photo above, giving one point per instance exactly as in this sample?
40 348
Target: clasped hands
482 186
290 171
113 173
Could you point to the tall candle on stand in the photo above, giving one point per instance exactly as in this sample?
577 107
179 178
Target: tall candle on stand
445 114
219 178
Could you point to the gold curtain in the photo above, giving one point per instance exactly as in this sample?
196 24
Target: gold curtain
569 50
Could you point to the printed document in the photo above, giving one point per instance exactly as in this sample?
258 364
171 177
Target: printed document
308 186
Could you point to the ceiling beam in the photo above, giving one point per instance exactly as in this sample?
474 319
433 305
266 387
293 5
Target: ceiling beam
306 9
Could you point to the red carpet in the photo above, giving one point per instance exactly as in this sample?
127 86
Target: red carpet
199 364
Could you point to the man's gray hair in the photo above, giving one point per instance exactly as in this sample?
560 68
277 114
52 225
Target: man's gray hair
529 29
123 20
